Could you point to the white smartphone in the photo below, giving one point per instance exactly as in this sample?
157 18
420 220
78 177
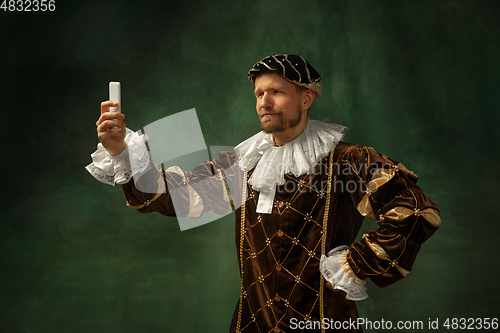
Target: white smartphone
115 94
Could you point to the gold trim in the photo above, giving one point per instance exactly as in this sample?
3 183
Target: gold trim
323 242
228 192
242 235
224 182
158 194
379 178
380 252
364 208
196 206
347 268
401 270
377 249
295 69
400 213
317 87
432 216
266 65
307 69
401 166
279 62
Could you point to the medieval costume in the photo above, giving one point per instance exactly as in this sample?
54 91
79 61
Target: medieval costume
299 209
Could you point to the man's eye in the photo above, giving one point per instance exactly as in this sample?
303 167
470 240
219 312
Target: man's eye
277 91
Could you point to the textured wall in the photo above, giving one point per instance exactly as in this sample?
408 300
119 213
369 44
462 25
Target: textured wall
416 80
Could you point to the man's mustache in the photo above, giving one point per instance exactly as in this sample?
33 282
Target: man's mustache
267 111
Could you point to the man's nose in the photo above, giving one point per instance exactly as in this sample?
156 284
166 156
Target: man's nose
266 101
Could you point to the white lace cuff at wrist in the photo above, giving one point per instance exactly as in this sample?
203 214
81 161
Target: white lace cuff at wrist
122 167
336 270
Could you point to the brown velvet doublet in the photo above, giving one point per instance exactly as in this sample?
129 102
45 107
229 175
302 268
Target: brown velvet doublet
280 252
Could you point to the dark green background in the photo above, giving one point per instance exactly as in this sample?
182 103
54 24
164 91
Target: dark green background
416 80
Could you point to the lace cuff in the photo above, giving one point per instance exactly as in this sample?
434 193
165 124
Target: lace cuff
336 270
120 168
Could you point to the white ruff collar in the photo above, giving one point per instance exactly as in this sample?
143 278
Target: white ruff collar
297 157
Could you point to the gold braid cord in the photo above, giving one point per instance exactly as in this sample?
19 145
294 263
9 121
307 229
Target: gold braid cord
242 238
148 202
323 241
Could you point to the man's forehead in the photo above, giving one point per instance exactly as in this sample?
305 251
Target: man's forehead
266 80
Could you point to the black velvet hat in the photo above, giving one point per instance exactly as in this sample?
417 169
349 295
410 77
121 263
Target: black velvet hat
293 68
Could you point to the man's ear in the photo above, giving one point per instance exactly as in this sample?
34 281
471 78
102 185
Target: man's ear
307 98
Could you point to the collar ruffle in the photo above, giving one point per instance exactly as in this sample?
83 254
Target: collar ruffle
297 157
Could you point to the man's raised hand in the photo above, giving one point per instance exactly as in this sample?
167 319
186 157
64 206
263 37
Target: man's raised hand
111 129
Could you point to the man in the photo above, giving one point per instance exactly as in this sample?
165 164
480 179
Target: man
303 197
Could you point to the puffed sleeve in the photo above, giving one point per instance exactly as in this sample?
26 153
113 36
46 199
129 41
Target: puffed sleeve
175 192
387 193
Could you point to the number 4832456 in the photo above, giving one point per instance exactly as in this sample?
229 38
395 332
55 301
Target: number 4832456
28 5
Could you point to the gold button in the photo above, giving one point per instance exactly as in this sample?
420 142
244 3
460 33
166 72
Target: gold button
277 298
276 330
281 205
278 267
280 233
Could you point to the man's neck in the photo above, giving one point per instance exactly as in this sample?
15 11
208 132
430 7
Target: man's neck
289 135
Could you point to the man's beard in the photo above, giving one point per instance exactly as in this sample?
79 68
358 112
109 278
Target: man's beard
283 124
